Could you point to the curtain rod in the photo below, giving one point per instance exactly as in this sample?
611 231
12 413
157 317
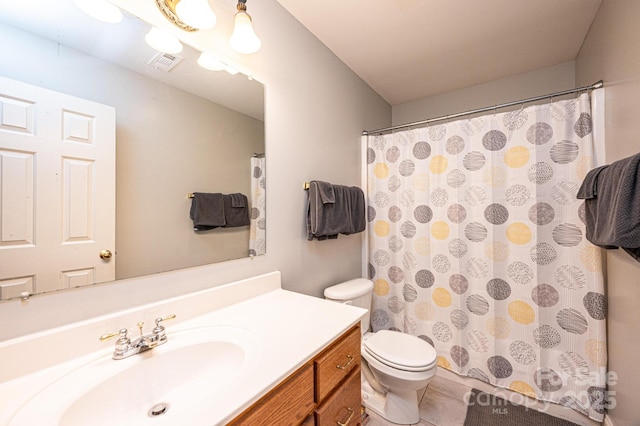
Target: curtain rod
596 85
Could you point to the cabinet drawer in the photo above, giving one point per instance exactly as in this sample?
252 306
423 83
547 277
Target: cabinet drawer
337 362
343 406
287 404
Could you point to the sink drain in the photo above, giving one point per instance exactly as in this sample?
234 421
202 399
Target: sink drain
158 409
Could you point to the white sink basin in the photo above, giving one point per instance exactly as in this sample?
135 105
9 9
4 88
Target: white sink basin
156 387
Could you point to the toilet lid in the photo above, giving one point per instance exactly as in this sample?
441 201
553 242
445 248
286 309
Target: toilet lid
400 350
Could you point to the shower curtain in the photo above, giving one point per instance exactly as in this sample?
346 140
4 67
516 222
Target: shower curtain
477 245
257 225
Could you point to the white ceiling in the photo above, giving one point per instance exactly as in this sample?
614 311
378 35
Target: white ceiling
411 49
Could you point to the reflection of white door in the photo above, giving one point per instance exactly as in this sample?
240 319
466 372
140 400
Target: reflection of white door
57 190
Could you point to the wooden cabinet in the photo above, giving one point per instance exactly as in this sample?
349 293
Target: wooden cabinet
324 391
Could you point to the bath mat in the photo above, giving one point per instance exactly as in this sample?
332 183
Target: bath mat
485 409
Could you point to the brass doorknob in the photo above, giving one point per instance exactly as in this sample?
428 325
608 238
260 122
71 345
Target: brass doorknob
106 254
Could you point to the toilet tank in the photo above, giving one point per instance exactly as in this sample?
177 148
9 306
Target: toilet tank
356 292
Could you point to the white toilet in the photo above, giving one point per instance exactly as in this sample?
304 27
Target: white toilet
395 365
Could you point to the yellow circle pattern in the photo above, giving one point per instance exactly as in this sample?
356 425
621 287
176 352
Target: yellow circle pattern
597 352
499 327
521 312
423 246
523 388
440 230
381 228
591 258
381 287
424 311
518 233
381 170
438 164
516 157
421 182
444 363
441 297
494 177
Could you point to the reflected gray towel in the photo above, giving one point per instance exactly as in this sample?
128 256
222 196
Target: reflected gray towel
338 210
236 210
612 205
207 211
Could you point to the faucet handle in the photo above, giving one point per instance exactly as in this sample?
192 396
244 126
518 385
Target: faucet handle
167 318
122 333
158 330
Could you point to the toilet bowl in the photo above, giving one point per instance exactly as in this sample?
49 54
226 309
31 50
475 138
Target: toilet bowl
395 365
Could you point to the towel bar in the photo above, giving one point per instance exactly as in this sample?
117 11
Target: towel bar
190 195
305 186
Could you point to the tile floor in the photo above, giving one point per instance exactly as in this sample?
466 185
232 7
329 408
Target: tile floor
443 403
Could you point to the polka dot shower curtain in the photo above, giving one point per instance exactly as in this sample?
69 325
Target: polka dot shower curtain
477 245
257 224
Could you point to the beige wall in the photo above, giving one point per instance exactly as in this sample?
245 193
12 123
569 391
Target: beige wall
168 143
534 83
611 53
316 110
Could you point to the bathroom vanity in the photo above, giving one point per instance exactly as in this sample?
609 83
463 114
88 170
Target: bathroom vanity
235 353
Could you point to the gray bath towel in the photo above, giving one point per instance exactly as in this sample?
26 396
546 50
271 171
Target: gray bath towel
207 211
333 210
612 205
236 210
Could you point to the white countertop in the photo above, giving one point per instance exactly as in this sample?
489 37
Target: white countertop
291 328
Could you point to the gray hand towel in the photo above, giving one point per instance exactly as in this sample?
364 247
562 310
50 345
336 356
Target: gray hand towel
612 205
236 216
207 211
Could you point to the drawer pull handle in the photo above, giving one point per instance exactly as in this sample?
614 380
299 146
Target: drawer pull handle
348 418
344 367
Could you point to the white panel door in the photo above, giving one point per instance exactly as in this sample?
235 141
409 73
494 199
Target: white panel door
57 190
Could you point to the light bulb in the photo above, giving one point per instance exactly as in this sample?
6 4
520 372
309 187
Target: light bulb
196 13
101 10
244 38
163 41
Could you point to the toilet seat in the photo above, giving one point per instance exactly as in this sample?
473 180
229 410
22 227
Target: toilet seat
401 351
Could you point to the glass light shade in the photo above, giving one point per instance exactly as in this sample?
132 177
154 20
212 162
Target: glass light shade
163 41
101 10
196 13
244 38
210 62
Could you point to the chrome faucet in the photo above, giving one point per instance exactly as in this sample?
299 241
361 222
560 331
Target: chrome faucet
125 347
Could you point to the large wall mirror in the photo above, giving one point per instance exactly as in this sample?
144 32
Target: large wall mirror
177 132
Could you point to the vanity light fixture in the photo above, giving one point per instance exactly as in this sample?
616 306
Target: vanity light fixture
196 13
244 38
163 41
188 15
102 10
210 62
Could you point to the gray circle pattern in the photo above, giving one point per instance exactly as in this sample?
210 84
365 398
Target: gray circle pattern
442 331
455 145
540 173
520 272
473 161
499 366
457 248
572 321
459 318
547 379
539 133
425 278
393 154
546 336
596 305
459 355
396 274
567 235
395 243
496 214
406 168
570 277
409 293
477 304
421 150
475 232
395 214
458 283
522 352
498 289
456 178
423 214
494 140
541 213
456 213
564 152
517 195
545 295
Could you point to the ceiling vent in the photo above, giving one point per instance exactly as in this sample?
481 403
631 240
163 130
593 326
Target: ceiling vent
164 61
